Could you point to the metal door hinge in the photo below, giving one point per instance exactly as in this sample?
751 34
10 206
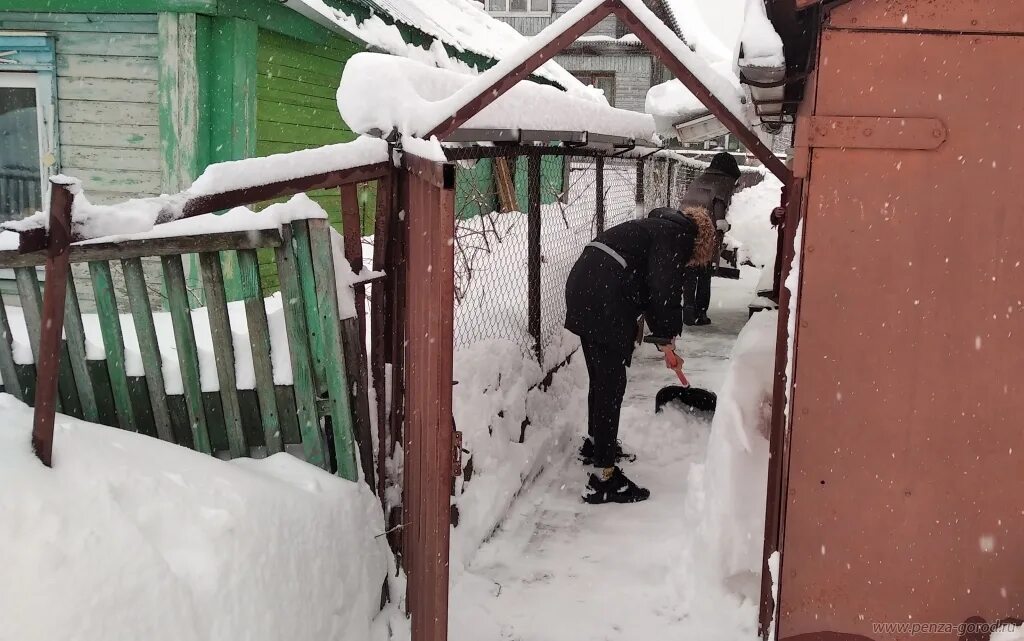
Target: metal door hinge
863 132
457 453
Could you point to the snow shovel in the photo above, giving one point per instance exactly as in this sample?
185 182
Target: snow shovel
694 400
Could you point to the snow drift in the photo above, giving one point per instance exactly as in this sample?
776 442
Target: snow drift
726 500
128 537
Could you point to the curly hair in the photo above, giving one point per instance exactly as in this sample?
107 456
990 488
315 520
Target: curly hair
707 237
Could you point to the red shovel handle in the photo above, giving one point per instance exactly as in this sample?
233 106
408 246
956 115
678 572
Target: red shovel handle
674 363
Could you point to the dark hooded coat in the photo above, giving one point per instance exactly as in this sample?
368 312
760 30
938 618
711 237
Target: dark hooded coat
604 299
713 189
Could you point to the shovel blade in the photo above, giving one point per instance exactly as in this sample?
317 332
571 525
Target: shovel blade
692 399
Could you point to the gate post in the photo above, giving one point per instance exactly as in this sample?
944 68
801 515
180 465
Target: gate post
57 267
533 221
600 194
429 204
639 195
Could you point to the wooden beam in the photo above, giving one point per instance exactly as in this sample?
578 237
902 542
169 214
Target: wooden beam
150 247
258 193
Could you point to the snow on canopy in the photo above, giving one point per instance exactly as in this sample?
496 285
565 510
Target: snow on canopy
671 102
761 44
720 86
381 92
139 215
463 25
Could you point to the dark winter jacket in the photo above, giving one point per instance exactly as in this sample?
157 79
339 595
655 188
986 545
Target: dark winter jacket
604 298
712 191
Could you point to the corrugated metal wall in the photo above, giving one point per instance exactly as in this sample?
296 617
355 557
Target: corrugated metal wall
107 75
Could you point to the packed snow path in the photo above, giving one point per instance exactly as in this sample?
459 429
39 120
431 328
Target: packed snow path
560 570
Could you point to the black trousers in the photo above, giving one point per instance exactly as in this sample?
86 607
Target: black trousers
606 366
697 289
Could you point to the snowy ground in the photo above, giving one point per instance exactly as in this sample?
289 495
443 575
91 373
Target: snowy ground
560 570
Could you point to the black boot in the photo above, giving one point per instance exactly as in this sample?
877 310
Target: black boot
689 316
702 319
586 454
617 489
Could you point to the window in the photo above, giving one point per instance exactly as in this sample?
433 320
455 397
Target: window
604 80
519 7
21 146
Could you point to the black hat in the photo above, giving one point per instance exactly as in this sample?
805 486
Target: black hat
726 164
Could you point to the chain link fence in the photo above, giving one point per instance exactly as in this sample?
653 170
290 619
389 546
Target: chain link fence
524 215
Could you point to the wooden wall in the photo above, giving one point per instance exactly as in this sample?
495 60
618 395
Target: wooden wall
532 25
296 108
107 75
632 71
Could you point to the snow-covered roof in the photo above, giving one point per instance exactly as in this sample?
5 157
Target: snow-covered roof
381 92
761 44
670 102
462 25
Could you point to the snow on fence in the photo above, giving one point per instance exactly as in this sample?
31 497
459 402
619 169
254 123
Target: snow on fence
241 378
515 245
232 378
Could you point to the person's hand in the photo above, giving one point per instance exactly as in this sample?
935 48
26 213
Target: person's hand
672 360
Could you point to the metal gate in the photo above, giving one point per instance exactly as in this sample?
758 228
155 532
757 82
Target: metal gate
901 508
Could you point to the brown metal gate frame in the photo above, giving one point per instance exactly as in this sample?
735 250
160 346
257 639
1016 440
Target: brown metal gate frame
428 199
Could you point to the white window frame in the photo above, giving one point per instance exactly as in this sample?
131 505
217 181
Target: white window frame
507 13
30 80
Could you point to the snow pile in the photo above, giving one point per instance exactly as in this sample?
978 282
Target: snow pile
761 44
497 402
671 102
727 493
696 31
750 218
128 537
381 92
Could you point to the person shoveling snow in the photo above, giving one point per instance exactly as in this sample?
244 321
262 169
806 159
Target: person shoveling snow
633 269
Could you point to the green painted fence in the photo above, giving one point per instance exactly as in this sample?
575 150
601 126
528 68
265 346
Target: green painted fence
311 417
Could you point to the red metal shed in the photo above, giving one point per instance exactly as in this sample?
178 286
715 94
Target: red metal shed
896 500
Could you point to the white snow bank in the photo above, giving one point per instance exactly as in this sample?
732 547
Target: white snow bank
128 537
491 403
726 500
761 44
750 217
139 215
462 24
381 92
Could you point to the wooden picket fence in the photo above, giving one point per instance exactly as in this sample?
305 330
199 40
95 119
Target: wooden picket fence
324 413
